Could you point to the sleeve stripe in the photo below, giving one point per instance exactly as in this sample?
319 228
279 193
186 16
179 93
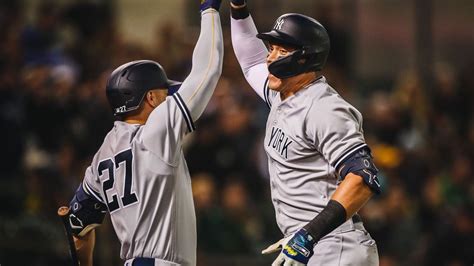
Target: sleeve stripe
185 111
265 93
348 153
91 192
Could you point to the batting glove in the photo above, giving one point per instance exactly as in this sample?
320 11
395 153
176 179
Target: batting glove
297 250
206 4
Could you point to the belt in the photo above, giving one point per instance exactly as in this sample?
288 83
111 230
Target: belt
149 262
354 222
143 262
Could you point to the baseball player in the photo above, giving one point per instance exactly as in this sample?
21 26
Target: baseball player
321 169
139 174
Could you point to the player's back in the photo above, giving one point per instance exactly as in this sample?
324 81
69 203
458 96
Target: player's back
148 194
139 172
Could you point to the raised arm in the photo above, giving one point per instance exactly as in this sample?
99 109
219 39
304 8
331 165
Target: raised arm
249 50
197 89
173 119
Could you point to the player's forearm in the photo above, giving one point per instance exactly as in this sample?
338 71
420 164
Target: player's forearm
352 193
199 86
348 198
249 50
85 248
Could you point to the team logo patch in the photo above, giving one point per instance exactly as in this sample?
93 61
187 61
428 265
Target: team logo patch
372 178
121 109
279 24
75 222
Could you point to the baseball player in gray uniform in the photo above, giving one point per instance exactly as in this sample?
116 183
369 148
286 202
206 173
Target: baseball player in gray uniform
321 169
139 174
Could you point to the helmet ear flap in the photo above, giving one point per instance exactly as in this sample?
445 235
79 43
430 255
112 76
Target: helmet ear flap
291 65
319 60
281 68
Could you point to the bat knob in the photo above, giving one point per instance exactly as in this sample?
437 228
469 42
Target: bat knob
63 211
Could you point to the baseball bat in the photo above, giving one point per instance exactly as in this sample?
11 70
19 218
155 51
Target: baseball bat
63 214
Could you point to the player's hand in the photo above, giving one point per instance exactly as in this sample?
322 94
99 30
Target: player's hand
297 251
206 4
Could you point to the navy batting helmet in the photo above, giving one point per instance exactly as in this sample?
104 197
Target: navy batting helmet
307 35
128 84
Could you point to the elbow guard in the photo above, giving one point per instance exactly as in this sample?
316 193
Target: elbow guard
360 163
86 212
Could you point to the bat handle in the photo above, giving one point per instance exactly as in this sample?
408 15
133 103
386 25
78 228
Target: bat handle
63 213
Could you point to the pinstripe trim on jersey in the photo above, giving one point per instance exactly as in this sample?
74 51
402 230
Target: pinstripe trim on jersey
266 91
185 111
89 191
348 153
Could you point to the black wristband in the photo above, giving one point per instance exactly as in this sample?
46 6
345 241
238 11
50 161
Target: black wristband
332 216
239 13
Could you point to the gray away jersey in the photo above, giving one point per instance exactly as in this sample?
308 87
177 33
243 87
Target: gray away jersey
306 136
140 172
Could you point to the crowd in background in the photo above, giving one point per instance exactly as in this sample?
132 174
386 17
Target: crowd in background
54 116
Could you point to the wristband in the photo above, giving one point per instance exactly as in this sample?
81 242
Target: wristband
239 13
238 2
332 216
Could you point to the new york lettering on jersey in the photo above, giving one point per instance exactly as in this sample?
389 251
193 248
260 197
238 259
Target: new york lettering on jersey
279 141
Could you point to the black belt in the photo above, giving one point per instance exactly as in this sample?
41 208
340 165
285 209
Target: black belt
143 262
356 218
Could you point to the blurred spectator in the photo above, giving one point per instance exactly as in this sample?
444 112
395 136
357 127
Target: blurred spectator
40 40
227 139
12 118
220 229
94 43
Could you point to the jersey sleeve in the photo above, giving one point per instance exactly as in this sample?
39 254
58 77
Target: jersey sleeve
91 185
166 127
173 119
336 129
251 54
198 87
